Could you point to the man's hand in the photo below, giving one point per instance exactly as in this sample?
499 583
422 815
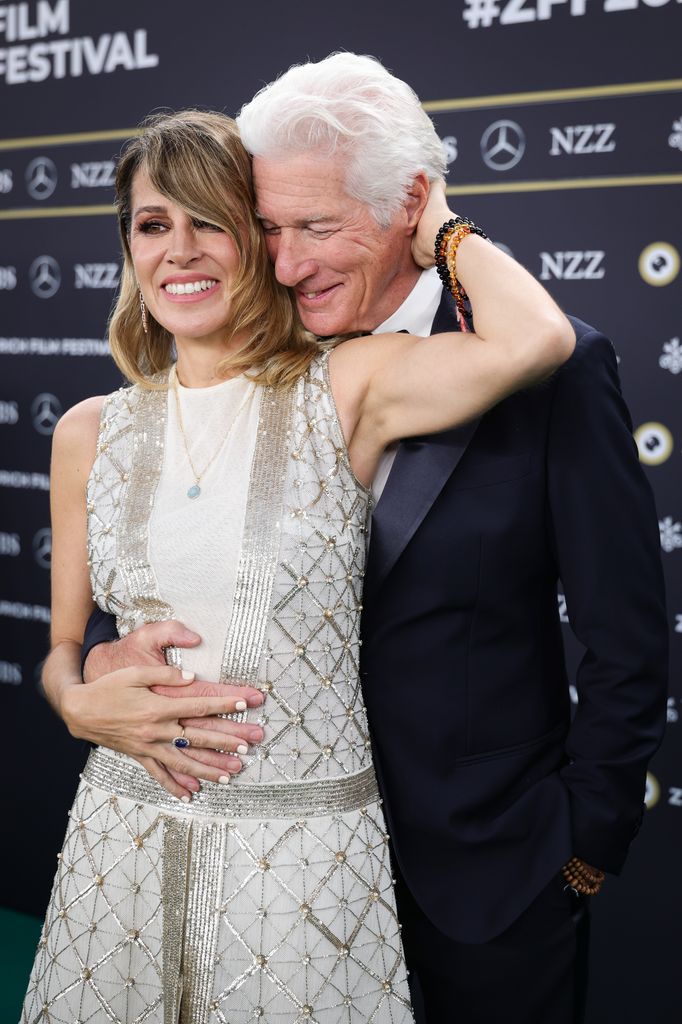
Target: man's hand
146 646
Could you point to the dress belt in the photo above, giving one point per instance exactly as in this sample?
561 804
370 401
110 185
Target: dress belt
114 773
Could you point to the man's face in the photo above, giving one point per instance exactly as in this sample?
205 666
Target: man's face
347 272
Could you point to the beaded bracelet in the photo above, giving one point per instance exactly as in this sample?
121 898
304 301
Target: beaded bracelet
448 240
585 880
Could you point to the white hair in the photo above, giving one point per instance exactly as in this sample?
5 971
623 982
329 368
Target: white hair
351 106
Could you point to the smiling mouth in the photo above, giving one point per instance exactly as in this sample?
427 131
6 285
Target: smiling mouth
312 296
189 287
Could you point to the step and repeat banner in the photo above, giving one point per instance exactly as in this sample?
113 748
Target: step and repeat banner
561 121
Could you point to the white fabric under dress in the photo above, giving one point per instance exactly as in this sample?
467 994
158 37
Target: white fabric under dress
270 899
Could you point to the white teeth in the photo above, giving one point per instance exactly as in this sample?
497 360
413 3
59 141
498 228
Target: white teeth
310 295
189 287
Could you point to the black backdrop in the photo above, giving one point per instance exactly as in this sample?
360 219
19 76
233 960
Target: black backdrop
562 121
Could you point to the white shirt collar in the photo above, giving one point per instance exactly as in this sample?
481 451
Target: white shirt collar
417 312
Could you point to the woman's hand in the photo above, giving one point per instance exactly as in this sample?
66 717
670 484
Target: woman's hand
436 212
120 711
146 645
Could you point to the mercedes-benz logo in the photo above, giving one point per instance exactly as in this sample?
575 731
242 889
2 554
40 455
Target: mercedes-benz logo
502 145
42 547
45 277
45 410
41 178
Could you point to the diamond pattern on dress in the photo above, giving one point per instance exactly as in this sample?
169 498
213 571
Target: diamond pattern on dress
99 956
310 921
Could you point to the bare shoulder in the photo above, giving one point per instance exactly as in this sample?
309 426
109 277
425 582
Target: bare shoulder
75 436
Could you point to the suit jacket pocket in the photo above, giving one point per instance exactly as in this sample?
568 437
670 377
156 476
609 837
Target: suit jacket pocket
547 738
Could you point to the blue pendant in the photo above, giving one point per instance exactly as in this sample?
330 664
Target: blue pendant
194 491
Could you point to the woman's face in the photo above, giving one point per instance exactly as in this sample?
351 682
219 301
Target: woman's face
185 268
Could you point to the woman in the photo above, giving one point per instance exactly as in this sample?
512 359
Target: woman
229 486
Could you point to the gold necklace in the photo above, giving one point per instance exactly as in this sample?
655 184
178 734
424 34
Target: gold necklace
195 490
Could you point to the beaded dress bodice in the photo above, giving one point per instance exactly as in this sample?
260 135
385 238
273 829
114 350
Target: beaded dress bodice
293 626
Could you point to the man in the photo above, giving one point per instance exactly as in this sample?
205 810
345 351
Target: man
489 789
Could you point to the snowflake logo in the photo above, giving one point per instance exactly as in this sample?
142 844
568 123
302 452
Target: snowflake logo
671 534
675 138
672 356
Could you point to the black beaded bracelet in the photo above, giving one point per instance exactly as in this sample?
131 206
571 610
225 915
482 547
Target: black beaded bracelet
444 255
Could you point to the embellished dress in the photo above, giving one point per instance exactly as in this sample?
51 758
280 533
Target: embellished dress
271 898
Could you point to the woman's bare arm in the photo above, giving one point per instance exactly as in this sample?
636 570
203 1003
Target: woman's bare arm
120 709
395 385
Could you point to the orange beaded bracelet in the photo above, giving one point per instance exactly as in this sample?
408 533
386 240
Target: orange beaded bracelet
448 240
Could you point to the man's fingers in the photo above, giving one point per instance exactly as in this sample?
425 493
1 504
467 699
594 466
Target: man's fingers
170 633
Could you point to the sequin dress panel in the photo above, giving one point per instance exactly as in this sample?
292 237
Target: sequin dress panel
270 899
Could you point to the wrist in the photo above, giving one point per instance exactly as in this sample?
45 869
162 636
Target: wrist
582 877
67 704
450 236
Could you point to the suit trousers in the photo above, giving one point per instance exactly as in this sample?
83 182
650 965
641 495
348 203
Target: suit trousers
535 972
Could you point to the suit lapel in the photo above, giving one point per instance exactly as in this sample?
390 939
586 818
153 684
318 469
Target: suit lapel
420 470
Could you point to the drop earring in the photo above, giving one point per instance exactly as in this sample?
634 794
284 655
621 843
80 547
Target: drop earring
143 311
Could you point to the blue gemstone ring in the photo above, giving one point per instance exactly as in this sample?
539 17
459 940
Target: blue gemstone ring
181 742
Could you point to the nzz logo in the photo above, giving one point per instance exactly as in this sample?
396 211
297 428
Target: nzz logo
93 175
96 275
587 265
582 138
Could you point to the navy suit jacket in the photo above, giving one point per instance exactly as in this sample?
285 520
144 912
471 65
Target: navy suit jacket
488 786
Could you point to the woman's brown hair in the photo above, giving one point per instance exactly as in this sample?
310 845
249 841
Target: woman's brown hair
197 161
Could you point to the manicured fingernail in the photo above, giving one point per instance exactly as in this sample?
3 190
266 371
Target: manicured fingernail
185 799
240 705
224 780
187 675
242 749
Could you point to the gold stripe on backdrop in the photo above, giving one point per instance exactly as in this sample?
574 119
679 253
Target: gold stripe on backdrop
590 92
35 141
562 184
29 213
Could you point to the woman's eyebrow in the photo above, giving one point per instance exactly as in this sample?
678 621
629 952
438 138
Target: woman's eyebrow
149 209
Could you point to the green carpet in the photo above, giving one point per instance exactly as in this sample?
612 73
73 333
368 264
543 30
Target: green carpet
19 936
